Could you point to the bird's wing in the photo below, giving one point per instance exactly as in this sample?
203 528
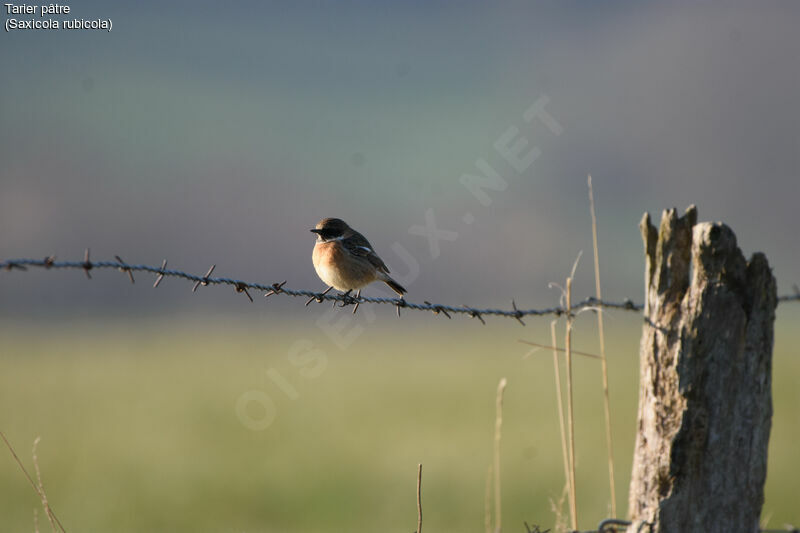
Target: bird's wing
359 246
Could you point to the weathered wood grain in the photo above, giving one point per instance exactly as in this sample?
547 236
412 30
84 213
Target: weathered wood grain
705 404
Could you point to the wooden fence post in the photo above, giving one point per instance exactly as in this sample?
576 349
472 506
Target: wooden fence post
705 401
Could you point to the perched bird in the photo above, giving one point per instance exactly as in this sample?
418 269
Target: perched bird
345 260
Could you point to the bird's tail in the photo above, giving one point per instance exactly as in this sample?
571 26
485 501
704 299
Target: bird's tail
396 287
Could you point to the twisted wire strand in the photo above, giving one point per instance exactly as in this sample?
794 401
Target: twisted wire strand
280 288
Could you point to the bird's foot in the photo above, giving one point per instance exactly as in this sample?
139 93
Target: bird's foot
347 299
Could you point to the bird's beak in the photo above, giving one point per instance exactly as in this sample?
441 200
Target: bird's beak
317 231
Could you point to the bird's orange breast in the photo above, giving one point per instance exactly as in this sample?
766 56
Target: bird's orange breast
339 268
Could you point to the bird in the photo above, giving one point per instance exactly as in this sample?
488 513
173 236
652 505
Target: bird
345 260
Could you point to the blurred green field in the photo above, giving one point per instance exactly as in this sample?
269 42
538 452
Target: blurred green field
140 430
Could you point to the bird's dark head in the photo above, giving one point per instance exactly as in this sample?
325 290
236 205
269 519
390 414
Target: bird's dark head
330 228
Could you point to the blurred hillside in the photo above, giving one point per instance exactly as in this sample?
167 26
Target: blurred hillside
221 135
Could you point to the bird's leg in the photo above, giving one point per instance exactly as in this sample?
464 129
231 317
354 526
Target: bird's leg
319 296
358 295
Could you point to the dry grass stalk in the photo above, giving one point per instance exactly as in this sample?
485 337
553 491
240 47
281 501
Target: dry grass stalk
419 498
573 506
54 521
604 361
556 348
487 502
560 404
42 493
497 434
561 524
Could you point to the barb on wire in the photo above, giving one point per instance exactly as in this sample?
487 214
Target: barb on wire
125 269
86 265
204 280
791 297
276 288
160 274
343 298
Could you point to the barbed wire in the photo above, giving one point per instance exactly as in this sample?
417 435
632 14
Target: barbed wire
87 265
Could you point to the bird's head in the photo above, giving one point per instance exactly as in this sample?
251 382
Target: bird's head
329 229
